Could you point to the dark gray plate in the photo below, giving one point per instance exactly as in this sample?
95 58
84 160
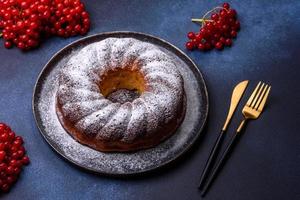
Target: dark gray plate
120 163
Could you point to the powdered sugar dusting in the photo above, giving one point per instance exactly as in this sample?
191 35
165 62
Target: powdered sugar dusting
94 122
78 110
138 121
116 126
119 163
161 104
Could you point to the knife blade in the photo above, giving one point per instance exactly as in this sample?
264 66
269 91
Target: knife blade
236 96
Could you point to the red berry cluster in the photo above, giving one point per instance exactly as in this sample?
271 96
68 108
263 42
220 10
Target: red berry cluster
216 32
25 23
12 157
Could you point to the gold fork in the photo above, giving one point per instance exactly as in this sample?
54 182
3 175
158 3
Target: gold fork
255 103
251 110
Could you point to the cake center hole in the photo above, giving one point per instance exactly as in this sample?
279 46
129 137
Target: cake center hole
123 96
122 85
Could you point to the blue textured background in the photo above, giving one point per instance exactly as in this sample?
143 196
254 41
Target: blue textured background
266 162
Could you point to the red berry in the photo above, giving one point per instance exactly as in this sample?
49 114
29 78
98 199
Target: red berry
223 13
72 12
210 26
20 153
201 46
228 42
3 166
22 149
225 28
14 155
24 38
69 18
189 45
7 16
86 22
10 179
16 170
12 35
199 37
208 46
34 25
67 2
13 163
77 28
26 12
18 143
226 5
214 16
5 36
9 170
7 44
20 139
78 9
14 148
19 163
58 13
61 32
237 25
203 32
213 42
20 25
60 6
2 155
24 4
232 13
32 43
217 36
46 14
34 17
219 45
85 14
25 160
2 146
195 42
222 40
191 35
233 34
2 127
3 174
5 187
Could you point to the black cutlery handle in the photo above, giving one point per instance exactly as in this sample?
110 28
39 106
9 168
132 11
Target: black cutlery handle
211 158
222 160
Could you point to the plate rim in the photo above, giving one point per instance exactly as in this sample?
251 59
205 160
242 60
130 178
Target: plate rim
38 87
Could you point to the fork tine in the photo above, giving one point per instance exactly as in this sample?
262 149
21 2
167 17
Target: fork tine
253 94
263 102
261 96
257 95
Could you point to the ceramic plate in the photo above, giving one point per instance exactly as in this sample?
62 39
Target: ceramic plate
120 163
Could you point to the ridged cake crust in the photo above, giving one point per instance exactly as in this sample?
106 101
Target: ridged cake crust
106 126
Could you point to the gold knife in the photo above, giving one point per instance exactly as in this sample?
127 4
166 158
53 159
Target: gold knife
237 94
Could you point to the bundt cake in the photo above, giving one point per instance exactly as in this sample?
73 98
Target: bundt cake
153 112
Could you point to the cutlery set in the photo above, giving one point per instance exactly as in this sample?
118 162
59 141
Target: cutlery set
251 110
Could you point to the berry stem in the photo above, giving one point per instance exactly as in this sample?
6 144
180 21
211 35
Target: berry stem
1 35
212 10
201 20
